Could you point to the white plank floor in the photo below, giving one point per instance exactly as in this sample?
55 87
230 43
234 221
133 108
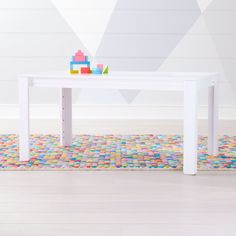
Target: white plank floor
134 203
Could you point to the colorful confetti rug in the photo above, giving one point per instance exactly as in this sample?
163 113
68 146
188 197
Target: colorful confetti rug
113 152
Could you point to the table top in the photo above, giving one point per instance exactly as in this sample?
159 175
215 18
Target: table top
120 80
125 74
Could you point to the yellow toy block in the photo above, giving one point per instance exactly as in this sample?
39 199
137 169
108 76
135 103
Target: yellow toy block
74 72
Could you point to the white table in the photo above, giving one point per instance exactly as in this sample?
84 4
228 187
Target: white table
189 83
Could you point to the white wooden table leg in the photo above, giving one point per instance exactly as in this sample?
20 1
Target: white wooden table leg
213 120
190 128
24 133
66 117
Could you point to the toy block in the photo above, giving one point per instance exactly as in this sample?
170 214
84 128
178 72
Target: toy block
100 66
105 70
74 72
80 63
79 58
96 71
85 70
79 53
71 66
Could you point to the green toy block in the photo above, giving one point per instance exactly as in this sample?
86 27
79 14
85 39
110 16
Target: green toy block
105 70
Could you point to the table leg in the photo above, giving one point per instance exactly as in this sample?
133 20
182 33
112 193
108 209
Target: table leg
212 120
66 117
190 128
24 134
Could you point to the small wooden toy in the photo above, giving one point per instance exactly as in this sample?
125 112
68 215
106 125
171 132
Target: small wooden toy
100 66
79 58
74 71
82 64
85 70
105 70
97 71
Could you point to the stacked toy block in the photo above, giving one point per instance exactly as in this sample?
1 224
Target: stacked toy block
81 61
82 64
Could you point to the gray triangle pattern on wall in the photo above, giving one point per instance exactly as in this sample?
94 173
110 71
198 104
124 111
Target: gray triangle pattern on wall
131 43
129 95
141 34
164 35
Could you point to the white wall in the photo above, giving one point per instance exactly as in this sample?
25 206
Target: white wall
149 35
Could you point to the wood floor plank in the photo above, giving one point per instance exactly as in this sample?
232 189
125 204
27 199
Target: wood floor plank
111 203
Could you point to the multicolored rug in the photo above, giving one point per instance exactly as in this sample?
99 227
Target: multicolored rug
113 152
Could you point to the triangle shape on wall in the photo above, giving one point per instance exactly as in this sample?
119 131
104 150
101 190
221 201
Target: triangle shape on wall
203 4
87 18
100 96
195 52
129 95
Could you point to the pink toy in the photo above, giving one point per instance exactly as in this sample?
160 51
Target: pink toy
79 53
79 58
100 66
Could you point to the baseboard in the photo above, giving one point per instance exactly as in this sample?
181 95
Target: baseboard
116 119
114 126
129 111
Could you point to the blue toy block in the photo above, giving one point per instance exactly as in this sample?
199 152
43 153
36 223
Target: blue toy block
96 71
80 63
71 66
